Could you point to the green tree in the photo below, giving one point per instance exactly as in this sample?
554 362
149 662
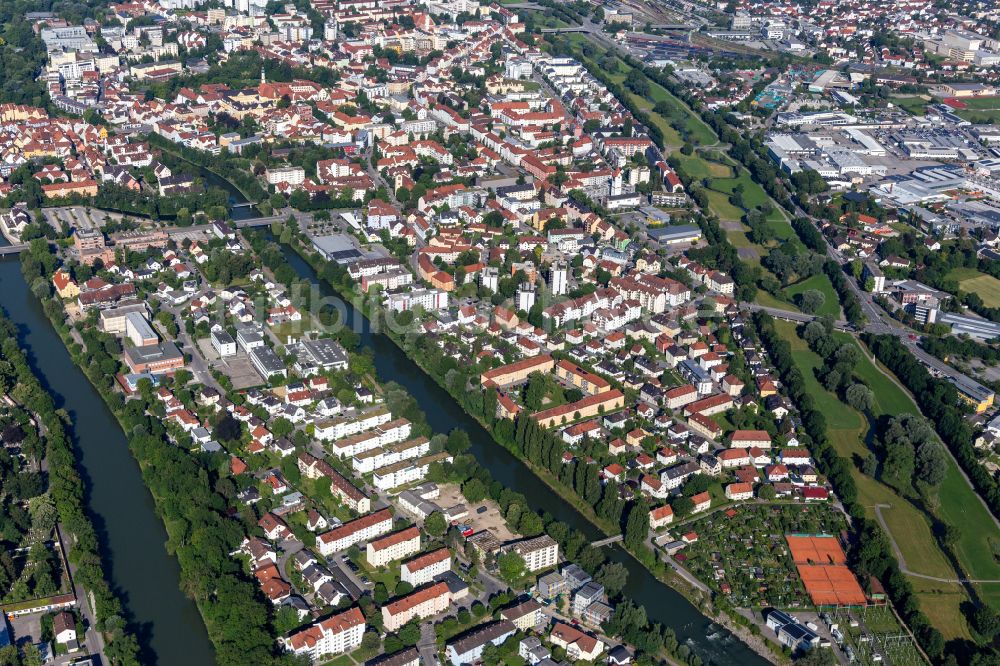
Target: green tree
637 526
511 567
435 524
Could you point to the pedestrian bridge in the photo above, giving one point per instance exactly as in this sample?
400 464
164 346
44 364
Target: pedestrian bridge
13 249
607 542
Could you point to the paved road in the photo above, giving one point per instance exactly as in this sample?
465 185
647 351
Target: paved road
427 645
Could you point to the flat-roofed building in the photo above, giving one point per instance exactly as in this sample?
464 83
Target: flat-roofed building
223 343
538 553
155 359
266 362
112 320
139 331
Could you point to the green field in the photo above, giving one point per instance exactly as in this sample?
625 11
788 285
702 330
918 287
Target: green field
973 282
915 105
718 203
820 282
700 167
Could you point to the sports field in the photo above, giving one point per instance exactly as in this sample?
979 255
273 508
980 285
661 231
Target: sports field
980 110
972 281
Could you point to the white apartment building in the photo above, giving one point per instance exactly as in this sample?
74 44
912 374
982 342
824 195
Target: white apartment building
428 299
538 553
393 547
559 278
423 603
354 532
379 457
345 427
292 175
380 434
223 343
422 570
336 634
406 471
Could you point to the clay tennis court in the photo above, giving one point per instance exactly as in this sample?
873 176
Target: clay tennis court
809 549
821 564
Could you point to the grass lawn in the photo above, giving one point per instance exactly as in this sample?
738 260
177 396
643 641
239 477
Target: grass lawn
342 660
718 203
943 606
990 117
972 281
821 283
753 194
958 503
767 300
915 105
699 167
909 526
295 329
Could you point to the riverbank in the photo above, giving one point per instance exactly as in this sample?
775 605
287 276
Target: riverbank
666 577
101 607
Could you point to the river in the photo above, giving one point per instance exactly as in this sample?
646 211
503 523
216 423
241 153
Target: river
132 536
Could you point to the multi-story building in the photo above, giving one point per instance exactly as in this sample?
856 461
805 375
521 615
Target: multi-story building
525 616
559 278
422 570
376 432
468 648
586 381
339 428
379 457
393 547
313 468
423 603
289 174
336 634
513 373
406 471
538 553
354 532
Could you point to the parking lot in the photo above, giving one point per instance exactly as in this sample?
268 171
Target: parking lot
79 217
490 520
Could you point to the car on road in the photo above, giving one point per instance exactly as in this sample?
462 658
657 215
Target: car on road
481 509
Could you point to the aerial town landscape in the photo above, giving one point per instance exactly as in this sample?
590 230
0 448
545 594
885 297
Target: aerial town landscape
523 332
